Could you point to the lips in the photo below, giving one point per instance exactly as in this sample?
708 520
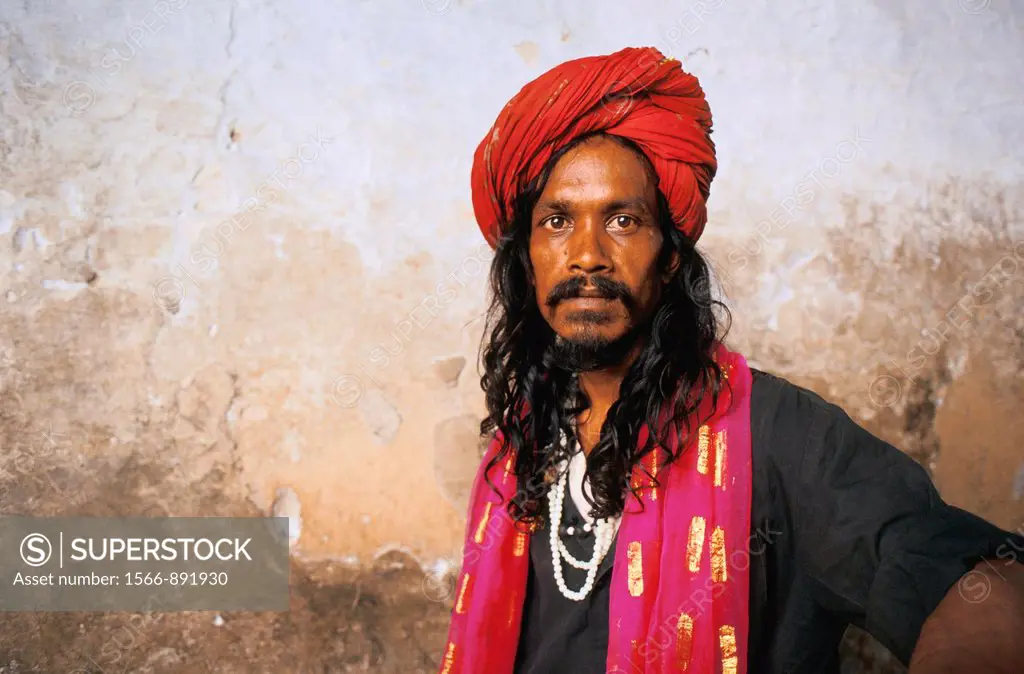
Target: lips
592 293
596 292
589 300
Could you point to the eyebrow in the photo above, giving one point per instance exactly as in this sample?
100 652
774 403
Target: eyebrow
554 205
635 204
565 206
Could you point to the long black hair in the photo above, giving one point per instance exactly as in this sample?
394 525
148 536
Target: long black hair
531 401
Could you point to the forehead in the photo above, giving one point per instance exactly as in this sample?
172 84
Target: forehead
599 169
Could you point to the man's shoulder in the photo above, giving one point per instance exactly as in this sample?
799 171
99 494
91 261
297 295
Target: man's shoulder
770 391
782 412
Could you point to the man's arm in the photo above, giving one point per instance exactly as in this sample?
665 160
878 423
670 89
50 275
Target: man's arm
978 626
881 548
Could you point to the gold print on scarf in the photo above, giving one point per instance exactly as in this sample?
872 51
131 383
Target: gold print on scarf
719 457
520 545
724 368
695 546
727 642
654 474
460 605
482 524
703 442
635 577
508 470
718 568
449 659
684 641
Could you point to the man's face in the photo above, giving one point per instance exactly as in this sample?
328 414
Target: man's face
594 245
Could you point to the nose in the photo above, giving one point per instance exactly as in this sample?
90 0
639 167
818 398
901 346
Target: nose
588 249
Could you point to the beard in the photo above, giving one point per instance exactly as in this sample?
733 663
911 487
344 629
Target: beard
591 351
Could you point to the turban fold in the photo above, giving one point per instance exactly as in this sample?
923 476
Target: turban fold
635 93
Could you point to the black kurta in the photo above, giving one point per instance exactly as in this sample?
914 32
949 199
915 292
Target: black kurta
848 530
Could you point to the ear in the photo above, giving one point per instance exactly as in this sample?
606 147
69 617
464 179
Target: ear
671 268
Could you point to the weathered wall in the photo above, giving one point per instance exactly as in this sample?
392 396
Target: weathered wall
240 265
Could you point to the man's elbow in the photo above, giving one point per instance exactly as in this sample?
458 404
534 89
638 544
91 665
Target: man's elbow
978 626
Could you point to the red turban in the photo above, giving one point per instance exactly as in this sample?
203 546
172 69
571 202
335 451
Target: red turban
635 93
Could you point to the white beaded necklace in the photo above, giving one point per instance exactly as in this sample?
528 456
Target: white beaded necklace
604 532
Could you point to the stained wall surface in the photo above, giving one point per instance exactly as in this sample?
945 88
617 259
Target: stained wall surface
239 269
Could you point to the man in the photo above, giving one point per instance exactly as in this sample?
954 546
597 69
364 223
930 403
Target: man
647 502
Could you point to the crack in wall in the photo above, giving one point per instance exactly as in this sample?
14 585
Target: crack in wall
222 92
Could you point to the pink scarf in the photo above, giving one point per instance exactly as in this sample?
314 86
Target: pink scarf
679 587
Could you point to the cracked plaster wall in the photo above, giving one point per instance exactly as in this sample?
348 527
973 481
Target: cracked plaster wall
239 263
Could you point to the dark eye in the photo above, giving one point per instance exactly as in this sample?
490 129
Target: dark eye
555 222
622 221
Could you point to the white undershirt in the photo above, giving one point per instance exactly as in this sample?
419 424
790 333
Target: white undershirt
577 472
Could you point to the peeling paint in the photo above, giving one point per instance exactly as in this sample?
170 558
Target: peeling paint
367 267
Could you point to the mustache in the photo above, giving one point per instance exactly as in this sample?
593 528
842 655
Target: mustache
573 286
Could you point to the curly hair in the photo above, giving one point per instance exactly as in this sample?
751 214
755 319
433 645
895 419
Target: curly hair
531 401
